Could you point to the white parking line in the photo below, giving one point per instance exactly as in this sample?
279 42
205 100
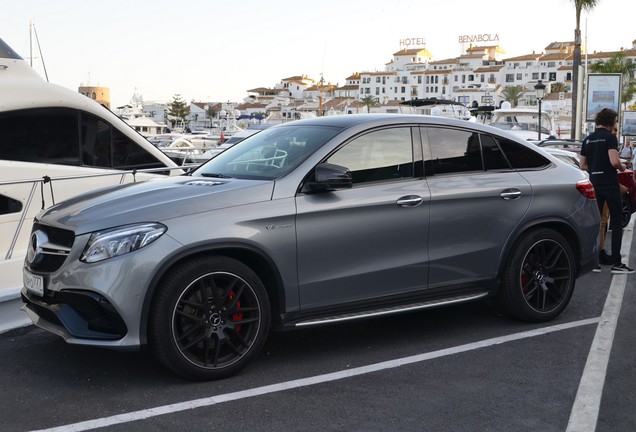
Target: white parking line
584 414
318 379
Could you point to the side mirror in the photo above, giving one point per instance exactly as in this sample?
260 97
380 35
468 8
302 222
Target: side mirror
328 177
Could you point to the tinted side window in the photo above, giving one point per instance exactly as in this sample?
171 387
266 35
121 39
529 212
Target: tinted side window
379 155
105 146
96 138
494 158
40 135
521 157
9 205
452 150
127 154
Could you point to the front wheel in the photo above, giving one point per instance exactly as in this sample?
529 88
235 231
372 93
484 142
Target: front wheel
210 317
538 277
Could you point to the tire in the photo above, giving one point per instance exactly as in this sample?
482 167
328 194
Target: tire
538 278
209 318
626 208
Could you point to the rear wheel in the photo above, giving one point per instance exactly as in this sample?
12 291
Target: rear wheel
209 319
538 278
626 210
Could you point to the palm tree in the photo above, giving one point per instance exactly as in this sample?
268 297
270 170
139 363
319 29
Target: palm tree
370 102
579 5
623 65
512 94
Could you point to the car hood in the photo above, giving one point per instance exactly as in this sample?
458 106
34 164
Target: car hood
153 201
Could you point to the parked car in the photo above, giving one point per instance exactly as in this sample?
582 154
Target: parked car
312 222
564 144
626 178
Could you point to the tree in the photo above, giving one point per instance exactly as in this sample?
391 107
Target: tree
558 87
370 102
178 109
623 65
211 112
512 94
579 5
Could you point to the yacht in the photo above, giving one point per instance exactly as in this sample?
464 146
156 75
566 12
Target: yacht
524 121
56 143
436 107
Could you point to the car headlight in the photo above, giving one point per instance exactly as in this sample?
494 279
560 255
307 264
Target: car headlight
121 240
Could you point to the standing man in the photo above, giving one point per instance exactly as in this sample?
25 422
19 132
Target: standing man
600 158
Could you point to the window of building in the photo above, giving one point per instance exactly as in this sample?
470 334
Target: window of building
519 77
510 78
551 64
552 76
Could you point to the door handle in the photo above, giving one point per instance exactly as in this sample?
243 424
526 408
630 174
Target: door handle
511 194
409 201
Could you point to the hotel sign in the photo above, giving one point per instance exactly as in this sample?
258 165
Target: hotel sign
412 42
486 37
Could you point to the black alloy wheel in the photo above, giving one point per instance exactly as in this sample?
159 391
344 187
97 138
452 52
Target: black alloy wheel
626 210
210 318
539 277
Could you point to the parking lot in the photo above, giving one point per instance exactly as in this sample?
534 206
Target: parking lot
462 368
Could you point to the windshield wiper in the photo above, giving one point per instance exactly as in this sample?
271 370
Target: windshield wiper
215 175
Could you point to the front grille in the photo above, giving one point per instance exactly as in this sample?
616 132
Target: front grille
50 257
58 236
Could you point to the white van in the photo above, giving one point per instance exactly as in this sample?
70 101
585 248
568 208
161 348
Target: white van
56 143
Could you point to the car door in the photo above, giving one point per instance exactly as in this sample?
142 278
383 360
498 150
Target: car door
371 240
476 202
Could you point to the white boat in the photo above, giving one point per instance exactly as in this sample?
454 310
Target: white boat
436 107
524 121
56 143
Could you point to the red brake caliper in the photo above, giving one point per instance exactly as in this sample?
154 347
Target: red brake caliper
236 316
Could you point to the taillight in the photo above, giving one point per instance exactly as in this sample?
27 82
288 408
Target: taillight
586 189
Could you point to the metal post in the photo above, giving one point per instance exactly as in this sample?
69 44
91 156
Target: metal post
539 131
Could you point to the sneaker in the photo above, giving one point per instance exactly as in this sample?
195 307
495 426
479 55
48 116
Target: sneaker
621 268
597 269
604 258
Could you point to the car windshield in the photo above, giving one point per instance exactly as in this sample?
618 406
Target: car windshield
270 154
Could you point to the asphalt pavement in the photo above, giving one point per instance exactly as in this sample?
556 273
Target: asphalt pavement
459 369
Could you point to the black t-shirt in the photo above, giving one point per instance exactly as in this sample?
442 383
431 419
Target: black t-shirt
595 148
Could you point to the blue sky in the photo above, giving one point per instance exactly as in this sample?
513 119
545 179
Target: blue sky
209 50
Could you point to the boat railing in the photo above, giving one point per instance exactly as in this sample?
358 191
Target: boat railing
41 181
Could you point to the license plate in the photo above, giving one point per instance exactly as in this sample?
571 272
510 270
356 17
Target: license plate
33 283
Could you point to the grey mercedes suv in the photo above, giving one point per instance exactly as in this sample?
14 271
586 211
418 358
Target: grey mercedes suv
312 222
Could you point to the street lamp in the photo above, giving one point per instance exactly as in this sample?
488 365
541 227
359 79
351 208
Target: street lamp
540 89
